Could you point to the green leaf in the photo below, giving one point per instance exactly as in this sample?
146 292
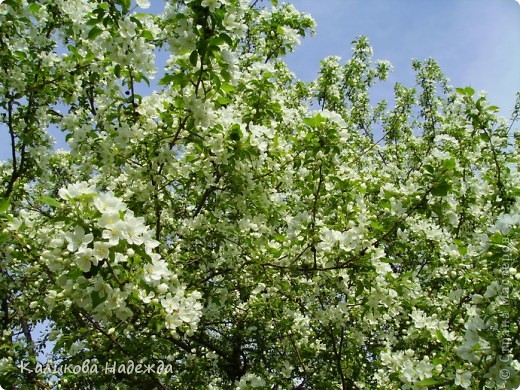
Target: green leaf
35 8
496 238
75 274
126 5
441 189
449 163
484 136
216 80
59 344
117 70
141 77
12 3
225 75
226 38
94 32
441 337
166 79
107 21
93 22
463 250
376 226
223 100
480 103
49 201
468 91
428 382
20 55
96 299
159 325
314 121
429 168
4 237
235 134
136 21
193 57
359 289
212 49
280 237
74 50
437 361
227 88
4 205
146 34
476 347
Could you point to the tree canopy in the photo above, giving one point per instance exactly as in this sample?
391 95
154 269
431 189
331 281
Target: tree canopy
235 227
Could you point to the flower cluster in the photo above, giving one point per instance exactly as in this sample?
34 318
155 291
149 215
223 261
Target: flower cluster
110 247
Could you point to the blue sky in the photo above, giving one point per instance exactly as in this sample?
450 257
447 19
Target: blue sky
476 42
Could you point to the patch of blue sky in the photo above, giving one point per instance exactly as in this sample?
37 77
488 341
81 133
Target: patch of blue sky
475 42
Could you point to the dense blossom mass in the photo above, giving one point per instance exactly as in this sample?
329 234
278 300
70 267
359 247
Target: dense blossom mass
216 216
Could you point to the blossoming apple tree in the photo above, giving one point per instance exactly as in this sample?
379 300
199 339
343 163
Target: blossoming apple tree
240 227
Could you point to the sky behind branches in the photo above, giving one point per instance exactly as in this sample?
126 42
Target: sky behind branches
476 43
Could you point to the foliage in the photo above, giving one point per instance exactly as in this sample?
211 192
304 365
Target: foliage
239 227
